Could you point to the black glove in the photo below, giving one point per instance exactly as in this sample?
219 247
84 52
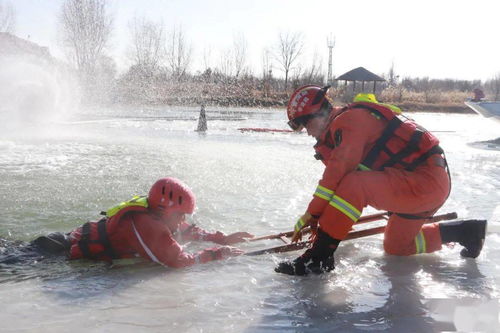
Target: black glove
318 259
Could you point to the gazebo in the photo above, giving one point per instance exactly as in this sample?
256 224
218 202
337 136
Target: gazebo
360 74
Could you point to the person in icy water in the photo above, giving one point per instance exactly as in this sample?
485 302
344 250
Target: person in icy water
147 227
373 157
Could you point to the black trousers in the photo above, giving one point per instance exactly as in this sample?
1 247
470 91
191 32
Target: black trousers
54 244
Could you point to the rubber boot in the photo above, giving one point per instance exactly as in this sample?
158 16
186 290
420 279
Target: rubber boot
469 233
317 259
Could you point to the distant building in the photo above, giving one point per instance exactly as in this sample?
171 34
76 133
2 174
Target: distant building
362 75
13 46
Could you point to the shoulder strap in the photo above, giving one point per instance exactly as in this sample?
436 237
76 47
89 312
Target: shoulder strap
104 239
411 147
83 243
372 155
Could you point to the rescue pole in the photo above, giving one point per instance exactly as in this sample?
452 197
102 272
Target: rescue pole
351 235
381 229
363 219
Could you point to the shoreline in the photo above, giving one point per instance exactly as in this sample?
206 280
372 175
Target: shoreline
438 108
279 105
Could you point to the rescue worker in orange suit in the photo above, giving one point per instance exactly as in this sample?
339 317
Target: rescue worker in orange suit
145 227
373 157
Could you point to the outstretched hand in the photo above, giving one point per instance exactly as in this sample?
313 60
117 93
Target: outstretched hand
237 237
230 251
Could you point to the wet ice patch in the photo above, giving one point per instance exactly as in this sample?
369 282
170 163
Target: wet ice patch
466 314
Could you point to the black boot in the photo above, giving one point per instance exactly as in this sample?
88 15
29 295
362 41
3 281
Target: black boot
469 233
317 259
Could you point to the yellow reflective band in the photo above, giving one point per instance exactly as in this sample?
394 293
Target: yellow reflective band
299 225
323 193
420 244
363 167
345 207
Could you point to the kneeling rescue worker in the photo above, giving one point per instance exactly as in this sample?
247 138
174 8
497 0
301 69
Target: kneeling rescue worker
144 227
373 157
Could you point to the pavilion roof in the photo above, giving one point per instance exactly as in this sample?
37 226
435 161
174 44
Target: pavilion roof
359 74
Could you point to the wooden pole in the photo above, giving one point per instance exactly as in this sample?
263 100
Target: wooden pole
363 219
351 235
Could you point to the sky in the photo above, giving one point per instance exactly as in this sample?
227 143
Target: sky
427 38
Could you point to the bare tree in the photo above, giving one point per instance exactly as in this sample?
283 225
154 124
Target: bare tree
178 53
148 44
494 84
7 17
207 58
313 74
104 79
226 63
267 71
86 29
295 74
267 66
239 54
392 78
288 50
232 60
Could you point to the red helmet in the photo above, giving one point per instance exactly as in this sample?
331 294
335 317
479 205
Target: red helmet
171 195
306 102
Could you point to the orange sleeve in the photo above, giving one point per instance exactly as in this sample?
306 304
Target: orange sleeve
353 129
153 241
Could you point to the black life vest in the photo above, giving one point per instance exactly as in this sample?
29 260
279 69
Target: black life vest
94 241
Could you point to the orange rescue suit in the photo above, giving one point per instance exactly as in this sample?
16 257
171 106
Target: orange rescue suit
374 158
136 232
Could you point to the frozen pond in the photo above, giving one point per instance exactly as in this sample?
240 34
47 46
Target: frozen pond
54 177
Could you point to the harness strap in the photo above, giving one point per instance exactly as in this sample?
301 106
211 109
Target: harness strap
412 216
411 147
83 243
372 155
434 150
104 240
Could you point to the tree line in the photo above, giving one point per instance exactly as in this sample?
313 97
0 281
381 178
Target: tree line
161 60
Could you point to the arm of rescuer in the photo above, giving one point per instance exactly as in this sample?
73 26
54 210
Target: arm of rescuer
352 132
189 232
154 241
